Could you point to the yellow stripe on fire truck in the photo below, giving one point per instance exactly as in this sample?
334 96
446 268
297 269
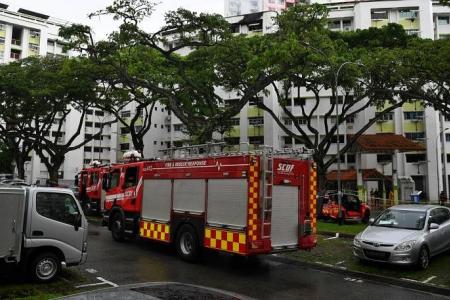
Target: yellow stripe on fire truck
226 240
253 200
155 231
313 198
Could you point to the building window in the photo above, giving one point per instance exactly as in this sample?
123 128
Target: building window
87 149
124 147
414 158
124 130
384 158
447 137
341 139
97 149
98 125
256 140
385 117
256 121
232 141
155 142
234 122
125 114
415 136
88 124
408 14
413 115
299 101
443 20
177 127
156 125
351 158
99 113
2 26
254 102
257 26
379 15
333 100
287 140
89 112
350 119
301 120
287 121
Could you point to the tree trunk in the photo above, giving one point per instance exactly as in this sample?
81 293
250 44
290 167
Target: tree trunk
53 176
20 165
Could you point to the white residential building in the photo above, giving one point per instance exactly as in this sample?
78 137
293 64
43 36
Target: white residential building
25 33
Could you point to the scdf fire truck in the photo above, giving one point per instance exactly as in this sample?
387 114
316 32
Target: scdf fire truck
244 203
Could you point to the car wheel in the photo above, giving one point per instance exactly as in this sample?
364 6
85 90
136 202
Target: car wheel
117 230
187 244
424 258
45 267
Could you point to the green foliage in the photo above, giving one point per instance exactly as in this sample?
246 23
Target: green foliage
6 158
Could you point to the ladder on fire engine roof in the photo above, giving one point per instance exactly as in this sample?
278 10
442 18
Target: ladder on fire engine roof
267 181
210 149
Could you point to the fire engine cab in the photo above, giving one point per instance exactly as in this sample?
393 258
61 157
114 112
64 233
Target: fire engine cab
243 203
89 182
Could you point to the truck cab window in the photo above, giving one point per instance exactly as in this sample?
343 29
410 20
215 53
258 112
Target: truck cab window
115 178
94 178
57 206
131 177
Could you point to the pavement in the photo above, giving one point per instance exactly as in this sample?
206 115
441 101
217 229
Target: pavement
112 264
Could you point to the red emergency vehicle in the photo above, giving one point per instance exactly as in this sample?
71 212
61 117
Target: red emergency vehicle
245 204
90 187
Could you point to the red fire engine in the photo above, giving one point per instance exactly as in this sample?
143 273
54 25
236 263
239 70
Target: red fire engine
245 204
89 184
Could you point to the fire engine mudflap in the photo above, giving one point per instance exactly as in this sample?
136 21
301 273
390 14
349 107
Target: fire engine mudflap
243 204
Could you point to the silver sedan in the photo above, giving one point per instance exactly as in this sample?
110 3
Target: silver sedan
405 234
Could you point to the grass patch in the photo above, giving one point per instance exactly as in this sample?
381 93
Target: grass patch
338 253
350 228
17 286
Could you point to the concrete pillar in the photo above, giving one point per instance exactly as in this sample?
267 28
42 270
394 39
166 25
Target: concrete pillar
395 176
359 178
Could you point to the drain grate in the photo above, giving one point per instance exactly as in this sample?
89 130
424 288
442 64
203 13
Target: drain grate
182 292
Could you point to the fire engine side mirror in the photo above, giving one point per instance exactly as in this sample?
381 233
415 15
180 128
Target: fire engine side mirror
76 180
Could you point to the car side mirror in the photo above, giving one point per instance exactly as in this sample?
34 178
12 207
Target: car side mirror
76 181
433 226
371 221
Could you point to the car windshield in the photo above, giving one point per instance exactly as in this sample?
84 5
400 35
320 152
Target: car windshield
404 219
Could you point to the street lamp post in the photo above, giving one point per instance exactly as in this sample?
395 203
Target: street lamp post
338 147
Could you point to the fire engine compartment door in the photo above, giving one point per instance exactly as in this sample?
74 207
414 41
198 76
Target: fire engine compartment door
157 199
189 195
284 231
227 202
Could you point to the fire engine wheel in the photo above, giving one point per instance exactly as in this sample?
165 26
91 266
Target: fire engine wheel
117 230
187 243
45 267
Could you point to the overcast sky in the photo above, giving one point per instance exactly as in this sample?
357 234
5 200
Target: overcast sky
77 10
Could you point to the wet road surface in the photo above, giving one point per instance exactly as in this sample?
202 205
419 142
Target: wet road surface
146 261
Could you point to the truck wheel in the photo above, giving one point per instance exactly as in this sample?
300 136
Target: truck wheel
117 230
187 243
45 267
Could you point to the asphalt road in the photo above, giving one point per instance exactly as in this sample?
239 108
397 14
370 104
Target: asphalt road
146 261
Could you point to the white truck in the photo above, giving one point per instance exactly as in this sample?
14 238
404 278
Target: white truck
42 230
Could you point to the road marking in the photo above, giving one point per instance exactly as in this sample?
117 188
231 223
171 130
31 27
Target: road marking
91 284
107 282
332 238
353 280
429 279
92 271
408 279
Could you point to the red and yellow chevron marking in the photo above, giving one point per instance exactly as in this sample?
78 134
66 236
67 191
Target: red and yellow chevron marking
313 198
226 240
253 199
155 231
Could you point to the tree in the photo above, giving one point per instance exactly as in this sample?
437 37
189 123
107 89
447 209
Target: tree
51 90
188 84
316 55
6 157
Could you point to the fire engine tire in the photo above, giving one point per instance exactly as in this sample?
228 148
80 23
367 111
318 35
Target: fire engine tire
117 228
45 267
187 243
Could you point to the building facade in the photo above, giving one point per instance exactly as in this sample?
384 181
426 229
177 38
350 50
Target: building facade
25 33
242 7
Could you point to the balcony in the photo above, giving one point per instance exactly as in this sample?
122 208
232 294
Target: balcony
15 55
16 42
